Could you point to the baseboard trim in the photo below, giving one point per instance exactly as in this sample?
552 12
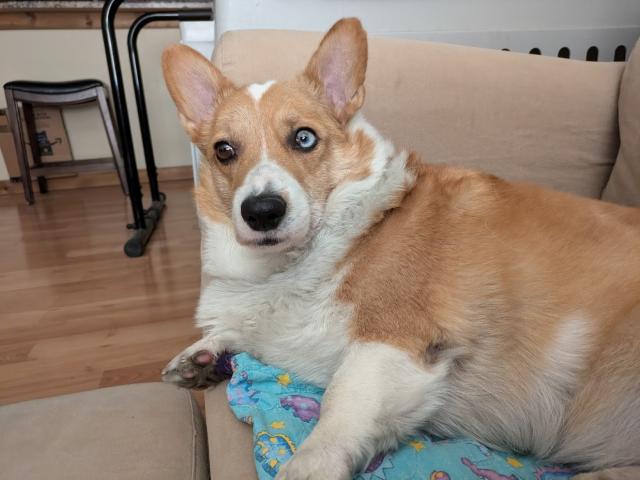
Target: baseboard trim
97 179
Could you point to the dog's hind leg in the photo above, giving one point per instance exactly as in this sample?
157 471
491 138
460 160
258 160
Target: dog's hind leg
378 396
621 473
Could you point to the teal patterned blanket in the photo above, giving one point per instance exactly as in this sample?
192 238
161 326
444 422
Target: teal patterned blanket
283 411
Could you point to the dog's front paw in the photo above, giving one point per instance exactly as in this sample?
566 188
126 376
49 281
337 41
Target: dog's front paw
315 464
195 367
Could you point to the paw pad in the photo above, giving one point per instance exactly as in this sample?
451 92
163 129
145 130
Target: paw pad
196 370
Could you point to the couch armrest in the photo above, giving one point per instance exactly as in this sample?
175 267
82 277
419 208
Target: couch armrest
149 431
230 441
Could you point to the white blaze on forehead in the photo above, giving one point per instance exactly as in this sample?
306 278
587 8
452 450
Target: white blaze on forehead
256 90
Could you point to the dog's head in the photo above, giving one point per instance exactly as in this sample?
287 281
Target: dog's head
274 151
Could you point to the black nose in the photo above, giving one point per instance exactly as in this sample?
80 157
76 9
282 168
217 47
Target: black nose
263 212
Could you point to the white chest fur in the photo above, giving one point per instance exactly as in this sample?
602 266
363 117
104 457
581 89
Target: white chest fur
281 310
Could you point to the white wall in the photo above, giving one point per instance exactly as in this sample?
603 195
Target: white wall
405 18
57 55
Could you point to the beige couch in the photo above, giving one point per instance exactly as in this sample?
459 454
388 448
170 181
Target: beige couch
569 125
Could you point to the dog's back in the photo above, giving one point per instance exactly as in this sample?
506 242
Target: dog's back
536 296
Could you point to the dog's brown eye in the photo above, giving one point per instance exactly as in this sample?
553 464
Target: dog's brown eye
225 153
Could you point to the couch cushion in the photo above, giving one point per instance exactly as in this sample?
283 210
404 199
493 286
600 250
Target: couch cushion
230 441
148 431
548 120
624 184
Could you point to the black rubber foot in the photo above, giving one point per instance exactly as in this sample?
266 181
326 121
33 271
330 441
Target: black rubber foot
43 186
136 244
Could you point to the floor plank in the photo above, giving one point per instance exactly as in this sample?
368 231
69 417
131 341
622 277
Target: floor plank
75 313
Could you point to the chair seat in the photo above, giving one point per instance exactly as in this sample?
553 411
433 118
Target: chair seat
52 88
75 166
24 94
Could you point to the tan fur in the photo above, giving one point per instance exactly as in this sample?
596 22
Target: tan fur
457 227
189 77
489 271
356 54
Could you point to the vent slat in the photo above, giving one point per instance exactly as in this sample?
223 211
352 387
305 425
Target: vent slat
592 54
620 54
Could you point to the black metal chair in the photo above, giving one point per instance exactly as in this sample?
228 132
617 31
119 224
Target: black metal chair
28 94
144 220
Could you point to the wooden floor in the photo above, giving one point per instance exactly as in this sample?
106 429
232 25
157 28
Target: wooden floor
75 312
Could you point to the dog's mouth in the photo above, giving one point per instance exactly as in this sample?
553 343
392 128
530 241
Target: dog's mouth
281 242
275 244
267 242
273 241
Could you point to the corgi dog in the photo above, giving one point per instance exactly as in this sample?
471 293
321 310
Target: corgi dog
422 297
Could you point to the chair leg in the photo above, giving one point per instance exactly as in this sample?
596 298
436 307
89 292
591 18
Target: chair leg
109 126
30 122
18 140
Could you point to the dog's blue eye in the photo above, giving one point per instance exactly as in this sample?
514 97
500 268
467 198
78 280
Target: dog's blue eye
305 139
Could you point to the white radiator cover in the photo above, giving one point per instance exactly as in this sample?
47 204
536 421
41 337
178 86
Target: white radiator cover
518 25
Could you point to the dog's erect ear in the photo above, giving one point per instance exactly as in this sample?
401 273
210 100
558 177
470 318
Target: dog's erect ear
195 85
339 65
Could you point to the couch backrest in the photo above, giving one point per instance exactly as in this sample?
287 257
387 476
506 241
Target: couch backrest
624 184
546 120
